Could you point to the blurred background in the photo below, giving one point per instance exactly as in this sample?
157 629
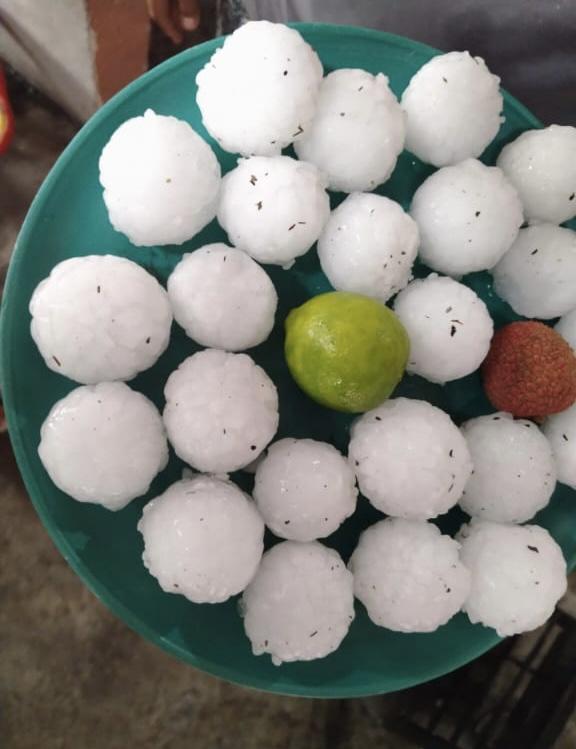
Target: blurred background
71 675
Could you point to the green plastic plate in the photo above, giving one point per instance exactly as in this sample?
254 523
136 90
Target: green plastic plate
68 218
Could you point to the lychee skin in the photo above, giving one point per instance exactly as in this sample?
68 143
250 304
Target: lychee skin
530 370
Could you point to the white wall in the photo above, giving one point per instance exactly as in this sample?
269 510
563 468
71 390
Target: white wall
50 43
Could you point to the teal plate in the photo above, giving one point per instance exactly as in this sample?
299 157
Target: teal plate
68 218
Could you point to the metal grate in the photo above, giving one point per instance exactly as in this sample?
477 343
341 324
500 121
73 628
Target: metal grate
521 694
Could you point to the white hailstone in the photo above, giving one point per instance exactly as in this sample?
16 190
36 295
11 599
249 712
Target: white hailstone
566 326
449 327
99 318
300 604
203 539
221 410
453 109
541 166
273 208
103 444
222 298
357 133
161 180
410 459
258 92
561 432
518 575
514 473
304 489
408 575
537 276
468 215
368 246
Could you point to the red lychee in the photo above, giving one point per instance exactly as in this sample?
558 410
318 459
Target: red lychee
530 370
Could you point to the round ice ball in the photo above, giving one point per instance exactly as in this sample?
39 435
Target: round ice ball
449 327
452 105
537 276
410 459
368 246
468 215
514 473
221 410
300 604
258 92
99 318
566 326
103 444
203 539
560 429
518 575
541 166
357 133
273 208
408 575
222 298
304 489
161 180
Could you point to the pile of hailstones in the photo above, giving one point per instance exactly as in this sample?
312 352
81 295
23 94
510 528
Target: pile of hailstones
99 320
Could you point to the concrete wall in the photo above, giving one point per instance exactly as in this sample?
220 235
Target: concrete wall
79 52
51 44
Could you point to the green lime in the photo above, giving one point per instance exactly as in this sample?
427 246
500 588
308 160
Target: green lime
346 351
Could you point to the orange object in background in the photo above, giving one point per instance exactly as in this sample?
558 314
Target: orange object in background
120 31
6 116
